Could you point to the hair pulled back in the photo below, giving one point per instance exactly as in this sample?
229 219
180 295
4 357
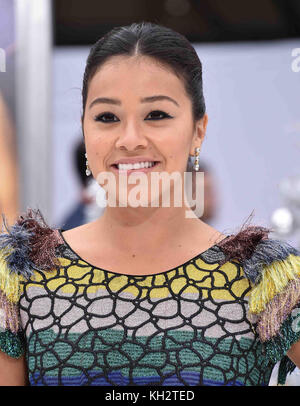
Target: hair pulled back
166 46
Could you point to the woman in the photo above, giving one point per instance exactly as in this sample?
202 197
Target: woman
147 295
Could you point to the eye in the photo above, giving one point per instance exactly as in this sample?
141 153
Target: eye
159 115
109 115
110 118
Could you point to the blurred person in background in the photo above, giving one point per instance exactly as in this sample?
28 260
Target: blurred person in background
86 208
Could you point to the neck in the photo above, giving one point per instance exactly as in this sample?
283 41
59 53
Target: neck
150 228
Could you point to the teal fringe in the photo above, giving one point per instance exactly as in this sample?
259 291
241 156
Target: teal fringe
277 347
12 344
286 366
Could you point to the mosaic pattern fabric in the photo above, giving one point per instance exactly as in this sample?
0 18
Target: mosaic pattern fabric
81 325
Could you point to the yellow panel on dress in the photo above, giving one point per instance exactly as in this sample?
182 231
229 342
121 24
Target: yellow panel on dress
204 265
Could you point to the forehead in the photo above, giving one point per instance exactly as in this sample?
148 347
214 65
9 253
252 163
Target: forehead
136 74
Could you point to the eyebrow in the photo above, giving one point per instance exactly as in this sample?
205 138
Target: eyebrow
143 100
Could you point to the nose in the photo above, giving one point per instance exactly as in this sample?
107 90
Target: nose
131 138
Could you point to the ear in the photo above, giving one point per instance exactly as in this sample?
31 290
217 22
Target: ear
199 134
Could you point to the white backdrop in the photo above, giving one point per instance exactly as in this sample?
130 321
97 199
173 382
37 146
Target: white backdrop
253 137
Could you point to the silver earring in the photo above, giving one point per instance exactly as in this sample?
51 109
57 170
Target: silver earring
196 166
87 171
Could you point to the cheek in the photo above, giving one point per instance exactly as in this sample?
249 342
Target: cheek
181 140
178 155
97 145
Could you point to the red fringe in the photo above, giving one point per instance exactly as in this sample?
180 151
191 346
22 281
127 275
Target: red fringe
43 241
241 246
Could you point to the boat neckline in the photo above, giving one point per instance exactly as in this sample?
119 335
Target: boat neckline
61 230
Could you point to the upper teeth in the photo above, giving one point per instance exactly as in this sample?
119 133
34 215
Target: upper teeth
140 165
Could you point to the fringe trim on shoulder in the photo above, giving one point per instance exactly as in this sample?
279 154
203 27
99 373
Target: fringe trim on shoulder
274 279
9 281
273 268
277 311
241 245
15 249
11 344
253 249
270 252
43 241
286 367
10 319
277 347
28 245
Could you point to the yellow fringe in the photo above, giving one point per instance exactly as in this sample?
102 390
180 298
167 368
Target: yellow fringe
274 279
9 282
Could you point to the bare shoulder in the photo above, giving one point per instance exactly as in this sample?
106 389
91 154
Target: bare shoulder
84 241
78 236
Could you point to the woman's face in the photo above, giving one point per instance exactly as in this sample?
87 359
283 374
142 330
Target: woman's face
138 109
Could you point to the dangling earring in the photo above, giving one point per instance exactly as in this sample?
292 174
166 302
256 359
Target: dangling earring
87 171
196 166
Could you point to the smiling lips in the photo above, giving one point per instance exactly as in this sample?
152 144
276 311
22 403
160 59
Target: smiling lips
144 166
132 165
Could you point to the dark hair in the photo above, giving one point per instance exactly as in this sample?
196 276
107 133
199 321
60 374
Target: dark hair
161 43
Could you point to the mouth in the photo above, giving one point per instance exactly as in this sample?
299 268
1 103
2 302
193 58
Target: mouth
136 167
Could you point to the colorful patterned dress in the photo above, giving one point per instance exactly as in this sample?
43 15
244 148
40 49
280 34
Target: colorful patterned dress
221 318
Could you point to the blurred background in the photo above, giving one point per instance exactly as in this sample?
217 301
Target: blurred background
250 51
